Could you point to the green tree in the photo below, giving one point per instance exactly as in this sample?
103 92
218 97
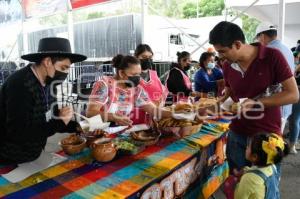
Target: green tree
169 8
206 8
95 15
190 10
211 7
249 27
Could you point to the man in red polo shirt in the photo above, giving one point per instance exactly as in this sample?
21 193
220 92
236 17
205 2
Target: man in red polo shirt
254 72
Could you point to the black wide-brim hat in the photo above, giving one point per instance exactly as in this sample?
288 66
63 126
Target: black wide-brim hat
54 47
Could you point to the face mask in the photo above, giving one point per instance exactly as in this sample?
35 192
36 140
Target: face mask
297 62
58 78
146 64
210 65
188 67
133 81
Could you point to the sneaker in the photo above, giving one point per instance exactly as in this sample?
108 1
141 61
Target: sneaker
297 145
293 149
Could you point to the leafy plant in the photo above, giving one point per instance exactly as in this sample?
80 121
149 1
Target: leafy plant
249 27
94 15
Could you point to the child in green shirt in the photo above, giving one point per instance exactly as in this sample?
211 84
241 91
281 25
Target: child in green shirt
261 180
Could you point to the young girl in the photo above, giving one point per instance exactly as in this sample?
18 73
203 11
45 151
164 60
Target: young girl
261 180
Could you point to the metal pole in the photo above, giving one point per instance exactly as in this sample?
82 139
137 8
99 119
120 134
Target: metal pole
144 12
197 8
201 45
70 26
24 33
226 10
281 19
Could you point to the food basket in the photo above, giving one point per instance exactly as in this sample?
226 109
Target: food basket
206 106
170 126
182 127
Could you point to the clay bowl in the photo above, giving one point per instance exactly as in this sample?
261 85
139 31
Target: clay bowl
103 149
91 136
147 137
73 144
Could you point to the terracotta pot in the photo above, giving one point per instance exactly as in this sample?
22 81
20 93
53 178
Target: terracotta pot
103 149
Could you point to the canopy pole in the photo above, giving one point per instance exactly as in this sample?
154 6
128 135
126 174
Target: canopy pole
70 26
281 19
24 32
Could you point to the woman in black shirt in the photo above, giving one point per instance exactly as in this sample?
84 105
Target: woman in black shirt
178 82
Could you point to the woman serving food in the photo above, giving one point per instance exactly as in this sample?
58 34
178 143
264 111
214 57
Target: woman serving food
115 97
150 82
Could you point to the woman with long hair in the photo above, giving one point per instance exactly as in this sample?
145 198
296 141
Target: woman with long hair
150 82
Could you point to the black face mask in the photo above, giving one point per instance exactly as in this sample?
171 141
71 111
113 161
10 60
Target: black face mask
146 64
188 67
133 81
58 78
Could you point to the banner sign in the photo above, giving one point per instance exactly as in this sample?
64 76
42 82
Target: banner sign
38 8
84 3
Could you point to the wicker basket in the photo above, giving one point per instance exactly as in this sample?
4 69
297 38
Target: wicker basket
180 131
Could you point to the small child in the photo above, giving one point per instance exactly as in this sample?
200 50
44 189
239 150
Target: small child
261 180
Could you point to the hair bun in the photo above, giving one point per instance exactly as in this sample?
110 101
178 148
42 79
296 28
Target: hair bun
178 54
116 61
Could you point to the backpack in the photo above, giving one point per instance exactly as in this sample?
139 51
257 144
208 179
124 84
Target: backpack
271 183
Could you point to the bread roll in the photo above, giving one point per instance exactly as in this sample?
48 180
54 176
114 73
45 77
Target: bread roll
206 102
183 107
235 107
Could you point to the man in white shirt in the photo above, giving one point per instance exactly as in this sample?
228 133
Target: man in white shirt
266 34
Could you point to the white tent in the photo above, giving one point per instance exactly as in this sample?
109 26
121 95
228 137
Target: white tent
278 12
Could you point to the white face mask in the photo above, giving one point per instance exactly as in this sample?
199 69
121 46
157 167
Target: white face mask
210 65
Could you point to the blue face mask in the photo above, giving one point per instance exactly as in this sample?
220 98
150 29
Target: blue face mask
297 62
210 65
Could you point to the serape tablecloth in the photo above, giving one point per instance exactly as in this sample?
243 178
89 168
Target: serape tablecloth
124 177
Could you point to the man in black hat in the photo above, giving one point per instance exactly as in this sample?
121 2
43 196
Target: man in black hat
28 108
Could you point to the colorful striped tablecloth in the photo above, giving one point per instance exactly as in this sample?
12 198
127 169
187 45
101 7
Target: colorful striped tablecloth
125 177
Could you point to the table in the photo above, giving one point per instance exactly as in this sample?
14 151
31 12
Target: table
146 175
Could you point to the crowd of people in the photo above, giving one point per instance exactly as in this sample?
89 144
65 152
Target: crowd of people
265 73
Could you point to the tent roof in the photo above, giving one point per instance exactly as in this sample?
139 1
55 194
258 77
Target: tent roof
267 10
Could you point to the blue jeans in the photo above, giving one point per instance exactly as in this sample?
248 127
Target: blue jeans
294 123
236 151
